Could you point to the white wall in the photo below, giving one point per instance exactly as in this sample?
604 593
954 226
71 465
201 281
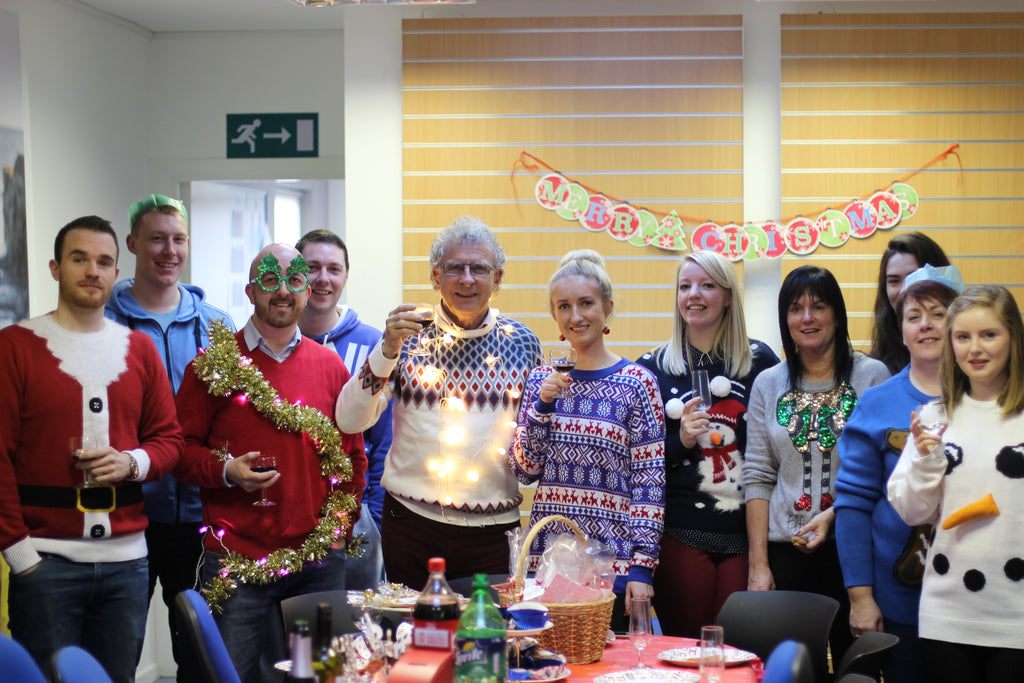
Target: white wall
87 80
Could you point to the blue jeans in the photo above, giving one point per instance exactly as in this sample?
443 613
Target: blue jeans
365 571
252 610
99 606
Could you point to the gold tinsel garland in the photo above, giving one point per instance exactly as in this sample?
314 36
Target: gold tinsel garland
225 371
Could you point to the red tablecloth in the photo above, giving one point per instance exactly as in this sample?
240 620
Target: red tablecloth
620 655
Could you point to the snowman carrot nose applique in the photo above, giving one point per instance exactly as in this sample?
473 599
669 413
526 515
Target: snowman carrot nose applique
985 507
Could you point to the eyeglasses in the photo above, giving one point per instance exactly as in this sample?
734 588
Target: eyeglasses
271 282
477 270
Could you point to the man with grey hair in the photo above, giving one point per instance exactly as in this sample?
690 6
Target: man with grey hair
456 371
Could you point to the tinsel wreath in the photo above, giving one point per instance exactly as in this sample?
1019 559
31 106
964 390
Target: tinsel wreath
226 372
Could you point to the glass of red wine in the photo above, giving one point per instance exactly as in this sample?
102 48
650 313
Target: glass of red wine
563 360
264 463
426 314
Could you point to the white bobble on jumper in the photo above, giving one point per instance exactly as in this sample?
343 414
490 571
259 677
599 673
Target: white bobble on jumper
674 408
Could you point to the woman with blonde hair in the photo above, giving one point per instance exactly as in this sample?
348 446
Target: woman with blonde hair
593 438
966 478
704 546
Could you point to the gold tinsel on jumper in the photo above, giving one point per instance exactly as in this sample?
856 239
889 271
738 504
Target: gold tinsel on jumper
225 371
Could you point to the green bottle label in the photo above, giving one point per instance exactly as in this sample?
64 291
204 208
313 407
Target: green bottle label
480 659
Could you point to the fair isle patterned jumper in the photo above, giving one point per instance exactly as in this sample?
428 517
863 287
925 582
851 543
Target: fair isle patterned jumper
598 458
454 413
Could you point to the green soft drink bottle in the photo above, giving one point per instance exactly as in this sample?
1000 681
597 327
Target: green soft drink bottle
480 654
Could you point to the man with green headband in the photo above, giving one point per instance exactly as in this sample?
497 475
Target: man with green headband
176 318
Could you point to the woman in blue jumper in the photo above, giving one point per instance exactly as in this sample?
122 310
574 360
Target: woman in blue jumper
881 556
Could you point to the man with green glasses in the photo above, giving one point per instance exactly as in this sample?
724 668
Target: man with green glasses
258 547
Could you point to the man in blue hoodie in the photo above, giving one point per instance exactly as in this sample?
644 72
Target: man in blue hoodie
338 327
176 317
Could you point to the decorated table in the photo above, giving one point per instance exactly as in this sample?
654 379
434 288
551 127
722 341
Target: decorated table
620 656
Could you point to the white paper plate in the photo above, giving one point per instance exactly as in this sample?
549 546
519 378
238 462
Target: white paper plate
690 656
563 673
529 632
649 675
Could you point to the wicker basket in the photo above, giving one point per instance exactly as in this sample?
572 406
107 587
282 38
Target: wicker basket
580 629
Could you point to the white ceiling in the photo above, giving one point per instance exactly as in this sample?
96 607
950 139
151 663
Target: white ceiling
223 15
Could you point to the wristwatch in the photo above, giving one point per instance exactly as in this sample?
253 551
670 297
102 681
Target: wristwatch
133 468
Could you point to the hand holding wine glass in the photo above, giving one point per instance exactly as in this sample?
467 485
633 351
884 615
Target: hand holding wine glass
264 462
640 631
563 360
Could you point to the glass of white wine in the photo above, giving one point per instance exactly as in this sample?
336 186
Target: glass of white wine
933 417
420 342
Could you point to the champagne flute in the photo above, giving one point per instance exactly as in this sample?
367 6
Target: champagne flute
78 444
563 360
426 313
702 388
712 653
640 627
933 417
264 463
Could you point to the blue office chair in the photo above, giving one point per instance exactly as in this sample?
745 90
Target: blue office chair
17 664
72 664
790 662
203 643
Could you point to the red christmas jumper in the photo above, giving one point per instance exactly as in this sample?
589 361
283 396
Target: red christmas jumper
311 374
58 384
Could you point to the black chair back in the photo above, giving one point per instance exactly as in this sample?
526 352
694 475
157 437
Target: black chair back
759 620
343 615
867 655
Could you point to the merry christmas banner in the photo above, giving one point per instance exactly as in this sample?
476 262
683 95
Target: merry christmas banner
598 212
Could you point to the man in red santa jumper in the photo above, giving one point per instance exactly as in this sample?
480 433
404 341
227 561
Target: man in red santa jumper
71 521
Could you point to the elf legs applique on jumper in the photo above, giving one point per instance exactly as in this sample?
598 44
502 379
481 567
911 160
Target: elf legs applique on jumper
816 418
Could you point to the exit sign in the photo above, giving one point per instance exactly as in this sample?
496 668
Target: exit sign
252 136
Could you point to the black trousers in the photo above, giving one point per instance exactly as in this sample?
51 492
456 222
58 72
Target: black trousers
817 572
959 663
175 551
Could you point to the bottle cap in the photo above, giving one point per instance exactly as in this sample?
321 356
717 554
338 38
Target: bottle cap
435 564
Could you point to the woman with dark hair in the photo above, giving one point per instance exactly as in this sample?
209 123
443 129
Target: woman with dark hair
966 479
704 546
797 411
882 556
905 254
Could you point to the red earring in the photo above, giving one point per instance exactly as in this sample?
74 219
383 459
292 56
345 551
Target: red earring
561 337
606 330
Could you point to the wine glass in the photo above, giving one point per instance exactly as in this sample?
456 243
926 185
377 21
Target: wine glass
933 417
264 463
78 444
426 313
712 653
563 360
640 627
702 388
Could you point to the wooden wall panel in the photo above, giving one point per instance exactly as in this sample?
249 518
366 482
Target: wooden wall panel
647 109
868 98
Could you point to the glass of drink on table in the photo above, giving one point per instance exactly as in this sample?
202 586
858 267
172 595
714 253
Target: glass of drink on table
640 631
77 444
426 314
712 653
933 417
264 463
563 360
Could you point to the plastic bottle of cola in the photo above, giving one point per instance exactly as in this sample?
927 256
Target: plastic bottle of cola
480 652
436 613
